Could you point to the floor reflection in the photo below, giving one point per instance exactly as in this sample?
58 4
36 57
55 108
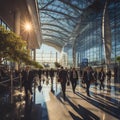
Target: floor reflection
28 108
35 107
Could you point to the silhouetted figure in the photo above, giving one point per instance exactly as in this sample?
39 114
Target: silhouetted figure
28 108
101 77
109 74
51 73
27 78
40 75
95 75
88 77
73 78
47 73
63 76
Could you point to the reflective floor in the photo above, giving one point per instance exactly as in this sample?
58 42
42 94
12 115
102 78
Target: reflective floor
49 105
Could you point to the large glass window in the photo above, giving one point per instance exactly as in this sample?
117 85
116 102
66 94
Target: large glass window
4 24
89 42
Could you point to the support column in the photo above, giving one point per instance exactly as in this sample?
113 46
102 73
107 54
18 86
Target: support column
17 22
56 57
74 56
106 34
78 59
17 27
34 54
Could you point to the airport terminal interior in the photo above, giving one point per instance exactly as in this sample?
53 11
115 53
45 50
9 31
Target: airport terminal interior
75 76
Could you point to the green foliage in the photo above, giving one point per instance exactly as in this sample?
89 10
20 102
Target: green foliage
118 58
36 64
13 47
57 65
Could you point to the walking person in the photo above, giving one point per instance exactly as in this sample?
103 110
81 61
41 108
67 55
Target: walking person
51 73
88 77
40 76
63 76
101 77
109 74
27 78
95 75
73 79
47 74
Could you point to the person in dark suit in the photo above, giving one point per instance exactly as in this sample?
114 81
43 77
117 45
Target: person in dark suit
101 77
63 76
40 76
51 73
73 79
27 78
95 75
88 77
109 74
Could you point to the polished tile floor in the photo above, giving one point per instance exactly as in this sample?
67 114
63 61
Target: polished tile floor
49 105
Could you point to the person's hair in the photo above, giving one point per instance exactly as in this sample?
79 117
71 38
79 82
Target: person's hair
61 67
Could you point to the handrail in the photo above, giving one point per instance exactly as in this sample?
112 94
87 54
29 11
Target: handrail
8 80
4 81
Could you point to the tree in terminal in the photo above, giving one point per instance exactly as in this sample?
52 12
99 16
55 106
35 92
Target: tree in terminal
13 48
57 65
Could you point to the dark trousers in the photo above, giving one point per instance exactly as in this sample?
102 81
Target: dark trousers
101 84
28 87
87 88
63 86
51 83
74 84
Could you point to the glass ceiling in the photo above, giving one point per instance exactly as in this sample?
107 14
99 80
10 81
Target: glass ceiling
59 18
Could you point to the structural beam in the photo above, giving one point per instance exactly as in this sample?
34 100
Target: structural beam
50 10
56 37
71 5
106 34
57 26
56 46
57 31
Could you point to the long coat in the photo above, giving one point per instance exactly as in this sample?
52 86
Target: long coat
88 77
63 75
27 78
71 75
101 76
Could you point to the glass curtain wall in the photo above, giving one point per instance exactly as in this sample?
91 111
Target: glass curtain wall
89 42
70 57
68 49
114 13
2 23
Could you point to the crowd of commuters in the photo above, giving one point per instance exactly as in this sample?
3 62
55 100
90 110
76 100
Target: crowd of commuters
87 76
5 73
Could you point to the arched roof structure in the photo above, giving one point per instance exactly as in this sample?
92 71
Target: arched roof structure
59 20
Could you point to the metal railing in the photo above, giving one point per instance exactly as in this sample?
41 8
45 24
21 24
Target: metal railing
11 80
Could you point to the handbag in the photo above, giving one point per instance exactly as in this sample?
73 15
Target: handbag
39 88
60 80
68 83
